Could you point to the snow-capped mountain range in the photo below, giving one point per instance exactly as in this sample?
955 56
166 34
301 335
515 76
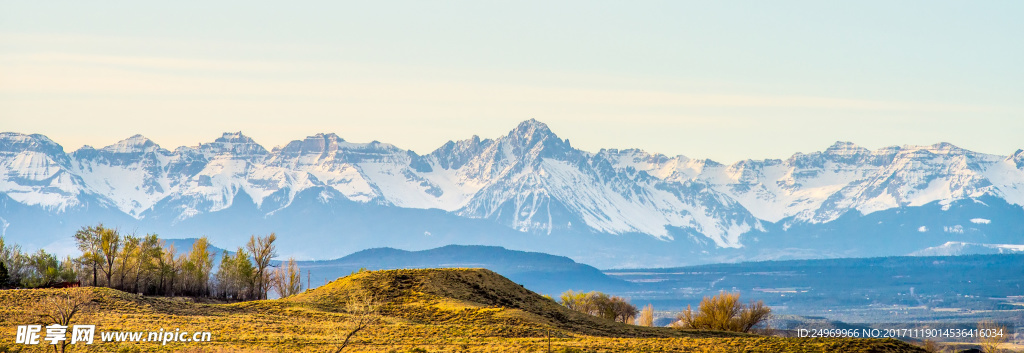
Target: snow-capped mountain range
529 181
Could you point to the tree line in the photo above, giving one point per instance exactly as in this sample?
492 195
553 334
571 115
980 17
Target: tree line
147 265
723 312
599 304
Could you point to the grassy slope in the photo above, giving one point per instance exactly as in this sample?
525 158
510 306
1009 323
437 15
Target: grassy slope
438 310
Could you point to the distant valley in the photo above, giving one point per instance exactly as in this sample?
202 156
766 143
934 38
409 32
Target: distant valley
951 289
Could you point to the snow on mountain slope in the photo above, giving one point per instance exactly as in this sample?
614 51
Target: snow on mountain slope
821 186
916 175
954 248
370 172
539 183
35 171
646 206
1007 178
529 180
236 164
131 173
770 189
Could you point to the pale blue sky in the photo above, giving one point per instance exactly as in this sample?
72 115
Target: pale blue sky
712 80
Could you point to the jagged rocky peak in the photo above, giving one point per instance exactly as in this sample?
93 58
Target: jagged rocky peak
1017 158
642 160
532 136
235 137
453 155
234 143
752 164
709 163
531 130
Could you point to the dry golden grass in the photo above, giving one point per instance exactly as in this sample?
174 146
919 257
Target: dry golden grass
451 310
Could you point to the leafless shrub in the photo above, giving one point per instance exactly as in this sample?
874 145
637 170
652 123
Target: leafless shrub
992 335
725 312
363 308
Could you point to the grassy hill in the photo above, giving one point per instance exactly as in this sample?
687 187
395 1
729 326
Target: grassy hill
542 273
433 310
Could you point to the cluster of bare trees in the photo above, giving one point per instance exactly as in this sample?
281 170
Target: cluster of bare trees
600 305
287 279
141 264
20 269
246 274
723 312
146 264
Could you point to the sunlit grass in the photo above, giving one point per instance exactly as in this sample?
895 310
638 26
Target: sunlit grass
422 310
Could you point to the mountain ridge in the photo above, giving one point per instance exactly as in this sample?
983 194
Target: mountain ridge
529 180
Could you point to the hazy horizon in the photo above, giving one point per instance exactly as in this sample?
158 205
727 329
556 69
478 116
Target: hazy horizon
718 81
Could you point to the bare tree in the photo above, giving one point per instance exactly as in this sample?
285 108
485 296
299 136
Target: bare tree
262 250
62 307
146 262
88 241
4 278
646 316
17 263
992 335
196 267
621 309
234 277
362 307
125 265
202 259
169 268
931 346
288 279
110 245
575 301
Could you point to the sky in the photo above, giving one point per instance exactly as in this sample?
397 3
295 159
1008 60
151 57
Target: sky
719 80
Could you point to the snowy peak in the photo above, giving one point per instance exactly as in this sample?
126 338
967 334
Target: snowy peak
235 137
846 151
134 144
320 145
945 148
531 128
532 138
841 152
528 179
34 170
15 143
